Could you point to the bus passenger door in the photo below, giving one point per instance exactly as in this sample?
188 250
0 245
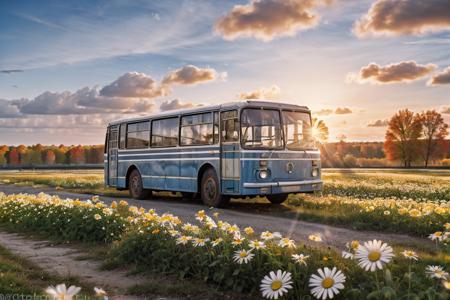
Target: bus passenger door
112 155
230 162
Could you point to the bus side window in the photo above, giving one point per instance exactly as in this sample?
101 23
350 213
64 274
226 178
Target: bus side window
230 126
216 127
122 134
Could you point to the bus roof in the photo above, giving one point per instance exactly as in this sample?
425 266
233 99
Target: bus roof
227 105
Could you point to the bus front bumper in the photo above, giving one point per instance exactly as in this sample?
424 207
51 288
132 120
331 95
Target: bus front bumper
279 187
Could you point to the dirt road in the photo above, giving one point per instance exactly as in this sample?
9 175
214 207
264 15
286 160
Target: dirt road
242 215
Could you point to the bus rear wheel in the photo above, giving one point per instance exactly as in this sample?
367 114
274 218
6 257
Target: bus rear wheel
210 190
277 199
136 187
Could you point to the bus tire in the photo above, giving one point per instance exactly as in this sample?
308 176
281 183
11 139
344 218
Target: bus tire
136 187
277 198
210 190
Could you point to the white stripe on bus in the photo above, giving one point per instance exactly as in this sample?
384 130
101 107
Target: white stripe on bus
171 153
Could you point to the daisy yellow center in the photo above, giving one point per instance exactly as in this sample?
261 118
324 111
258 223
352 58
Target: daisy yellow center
327 283
374 256
276 285
438 233
243 254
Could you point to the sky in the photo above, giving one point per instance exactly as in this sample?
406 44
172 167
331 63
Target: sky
67 68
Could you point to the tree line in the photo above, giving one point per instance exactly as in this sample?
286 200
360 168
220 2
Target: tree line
37 155
412 139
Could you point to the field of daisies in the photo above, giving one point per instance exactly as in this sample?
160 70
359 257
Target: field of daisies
259 264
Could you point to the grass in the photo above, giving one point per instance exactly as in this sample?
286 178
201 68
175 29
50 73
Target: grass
19 276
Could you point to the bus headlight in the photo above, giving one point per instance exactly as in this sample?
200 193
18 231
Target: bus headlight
315 172
263 174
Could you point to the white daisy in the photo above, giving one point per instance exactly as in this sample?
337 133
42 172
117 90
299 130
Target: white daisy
300 258
410 254
267 235
99 292
373 255
60 292
198 242
315 237
183 240
349 255
285 242
274 285
327 283
216 242
437 236
436 272
255 244
243 256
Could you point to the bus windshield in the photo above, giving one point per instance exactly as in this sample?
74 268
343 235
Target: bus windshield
261 129
298 130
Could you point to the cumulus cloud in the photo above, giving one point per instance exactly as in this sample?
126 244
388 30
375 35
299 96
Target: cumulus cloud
324 112
272 92
404 17
343 111
84 101
189 75
267 19
441 77
378 123
133 85
8 109
175 104
399 72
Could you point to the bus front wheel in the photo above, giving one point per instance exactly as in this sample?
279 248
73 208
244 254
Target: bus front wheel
277 199
136 186
210 190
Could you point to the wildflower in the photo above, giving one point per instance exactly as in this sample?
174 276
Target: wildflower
155 231
348 255
446 284
285 242
233 229
216 242
386 212
437 236
373 255
300 258
216 215
436 272
237 240
198 242
255 244
410 254
97 217
267 235
415 213
183 240
447 226
99 292
243 256
249 230
403 211
315 237
200 215
327 283
60 292
275 285
95 198
123 203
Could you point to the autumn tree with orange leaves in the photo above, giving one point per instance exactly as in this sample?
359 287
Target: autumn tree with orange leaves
402 135
435 130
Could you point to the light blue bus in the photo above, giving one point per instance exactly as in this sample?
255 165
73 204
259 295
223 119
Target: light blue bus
235 149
